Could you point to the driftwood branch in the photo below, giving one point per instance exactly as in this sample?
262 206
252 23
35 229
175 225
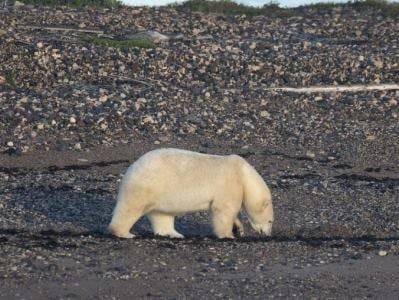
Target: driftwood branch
338 88
129 79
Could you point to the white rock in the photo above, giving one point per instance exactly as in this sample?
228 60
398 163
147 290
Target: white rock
310 154
264 114
392 102
378 63
10 144
252 46
148 119
255 68
103 98
382 253
72 120
164 139
18 3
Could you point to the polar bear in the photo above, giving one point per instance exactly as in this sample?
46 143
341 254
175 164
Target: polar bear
168 182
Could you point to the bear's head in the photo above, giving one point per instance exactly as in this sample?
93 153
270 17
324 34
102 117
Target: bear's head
262 218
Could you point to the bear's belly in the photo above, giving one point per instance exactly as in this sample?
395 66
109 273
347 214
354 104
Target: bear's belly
180 205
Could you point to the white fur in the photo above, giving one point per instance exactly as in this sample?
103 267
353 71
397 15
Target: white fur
168 182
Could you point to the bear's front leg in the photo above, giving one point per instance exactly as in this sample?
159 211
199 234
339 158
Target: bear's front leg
238 228
223 223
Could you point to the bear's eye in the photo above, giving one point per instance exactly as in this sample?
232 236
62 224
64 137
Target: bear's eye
270 222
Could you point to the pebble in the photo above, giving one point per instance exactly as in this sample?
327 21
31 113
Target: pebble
382 253
264 114
310 154
392 102
103 98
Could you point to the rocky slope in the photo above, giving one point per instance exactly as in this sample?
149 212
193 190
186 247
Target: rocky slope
211 79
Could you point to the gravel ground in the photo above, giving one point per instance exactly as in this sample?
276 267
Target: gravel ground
75 115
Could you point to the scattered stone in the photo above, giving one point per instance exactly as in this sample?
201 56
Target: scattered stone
252 45
103 98
382 253
378 63
164 139
264 114
392 102
310 154
61 146
18 3
12 151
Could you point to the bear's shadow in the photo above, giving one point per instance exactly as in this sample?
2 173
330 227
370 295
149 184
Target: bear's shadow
80 211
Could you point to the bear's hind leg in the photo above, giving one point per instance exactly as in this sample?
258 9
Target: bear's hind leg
123 219
164 225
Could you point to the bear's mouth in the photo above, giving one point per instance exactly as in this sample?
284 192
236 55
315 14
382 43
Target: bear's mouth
265 229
